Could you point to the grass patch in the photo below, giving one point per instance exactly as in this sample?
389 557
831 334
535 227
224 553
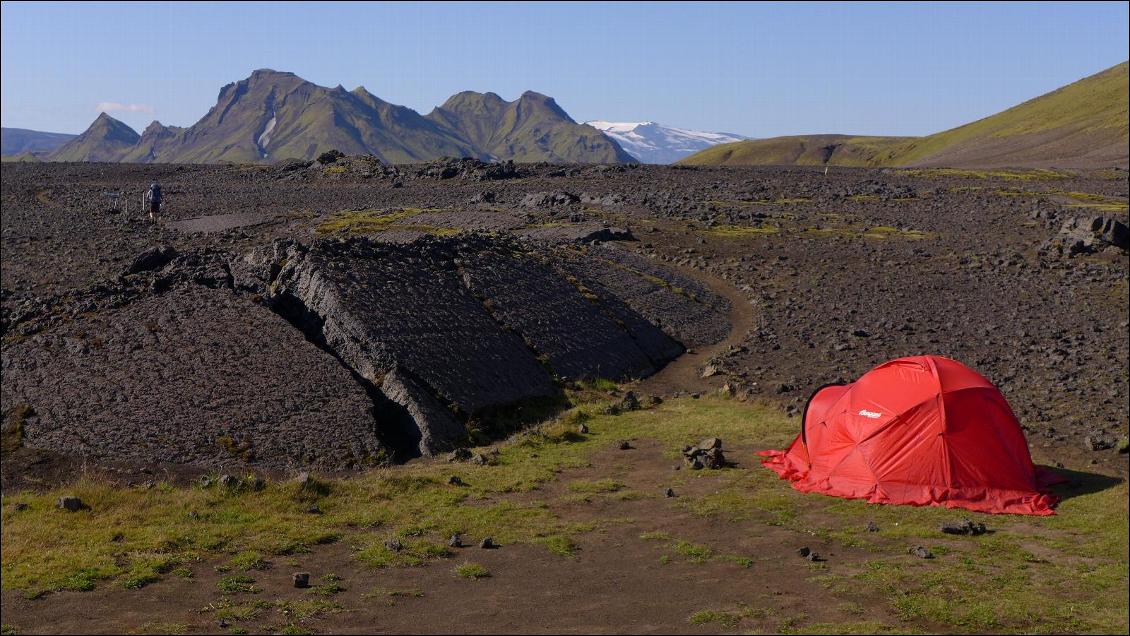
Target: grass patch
561 545
693 552
45 551
1060 573
727 619
1006 175
413 553
237 584
472 571
387 592
372 221
249 560
741 231
331 584
880 232
160 628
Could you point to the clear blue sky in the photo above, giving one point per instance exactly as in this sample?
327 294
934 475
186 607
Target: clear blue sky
755 69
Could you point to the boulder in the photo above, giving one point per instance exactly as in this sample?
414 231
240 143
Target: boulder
70 503
151 259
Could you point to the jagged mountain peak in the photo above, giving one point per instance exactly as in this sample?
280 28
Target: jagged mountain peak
107 139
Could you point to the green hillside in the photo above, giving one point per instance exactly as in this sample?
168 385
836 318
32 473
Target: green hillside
799 150
107 139
1083 124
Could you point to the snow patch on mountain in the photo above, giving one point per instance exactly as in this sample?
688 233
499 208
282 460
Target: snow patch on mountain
651 142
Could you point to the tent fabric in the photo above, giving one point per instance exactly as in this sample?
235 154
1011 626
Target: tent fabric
924 431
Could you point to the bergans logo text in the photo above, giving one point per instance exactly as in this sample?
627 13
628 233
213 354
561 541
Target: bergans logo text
871 414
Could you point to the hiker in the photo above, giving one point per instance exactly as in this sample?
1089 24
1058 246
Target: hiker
153 200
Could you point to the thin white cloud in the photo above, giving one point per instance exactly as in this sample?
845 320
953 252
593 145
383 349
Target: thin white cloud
105 107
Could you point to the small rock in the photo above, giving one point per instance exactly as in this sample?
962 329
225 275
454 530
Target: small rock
301 579
710 443
303 479
804 552
394 544
228 481
480 459
456 540
714 459
459 455
70 503
872 526
624 445
454 480
205 481
488 543
965 526
709 371
19 506
314 509
1099 442
583 429
630 402
921 552
670 492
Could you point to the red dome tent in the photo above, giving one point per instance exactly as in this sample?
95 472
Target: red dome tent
925 431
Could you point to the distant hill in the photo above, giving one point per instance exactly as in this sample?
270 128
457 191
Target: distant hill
18 141
107 139
272 115
800 150
1084 124
650 142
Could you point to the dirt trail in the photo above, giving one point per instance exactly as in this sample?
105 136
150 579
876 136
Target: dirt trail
685 372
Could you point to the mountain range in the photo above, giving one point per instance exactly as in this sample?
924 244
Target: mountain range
18 141
1081 125
273 115
650 142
